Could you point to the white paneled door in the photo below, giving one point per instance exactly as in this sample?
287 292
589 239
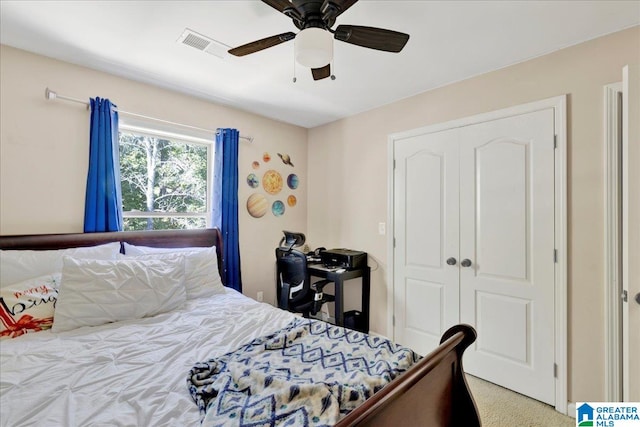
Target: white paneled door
474 229
507 229
426 230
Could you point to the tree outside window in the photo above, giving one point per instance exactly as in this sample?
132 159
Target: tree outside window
164 182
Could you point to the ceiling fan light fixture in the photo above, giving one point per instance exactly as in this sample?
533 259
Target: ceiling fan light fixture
313 47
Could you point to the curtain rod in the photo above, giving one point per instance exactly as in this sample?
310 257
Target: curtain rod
51 95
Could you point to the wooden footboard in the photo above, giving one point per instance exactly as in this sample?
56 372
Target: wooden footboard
434 393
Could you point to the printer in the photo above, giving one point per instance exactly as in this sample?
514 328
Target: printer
344 258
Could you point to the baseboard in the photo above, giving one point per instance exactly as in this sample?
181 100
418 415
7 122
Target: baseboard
571 409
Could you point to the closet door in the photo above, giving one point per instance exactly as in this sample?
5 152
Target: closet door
507 249
426 235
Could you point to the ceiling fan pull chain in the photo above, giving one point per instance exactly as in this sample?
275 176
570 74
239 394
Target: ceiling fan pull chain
294 69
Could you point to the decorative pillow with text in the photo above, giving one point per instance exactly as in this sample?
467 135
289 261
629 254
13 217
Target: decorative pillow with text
28 306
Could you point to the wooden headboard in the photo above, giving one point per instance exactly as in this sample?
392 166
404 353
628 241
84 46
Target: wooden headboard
156 238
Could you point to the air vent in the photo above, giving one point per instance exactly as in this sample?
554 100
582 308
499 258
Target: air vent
196 41
203 43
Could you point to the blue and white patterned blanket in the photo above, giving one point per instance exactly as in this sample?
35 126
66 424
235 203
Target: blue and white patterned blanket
309 373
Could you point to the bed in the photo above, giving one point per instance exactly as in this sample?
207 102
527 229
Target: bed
140 371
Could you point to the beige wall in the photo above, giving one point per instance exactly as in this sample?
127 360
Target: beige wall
348 176
44 152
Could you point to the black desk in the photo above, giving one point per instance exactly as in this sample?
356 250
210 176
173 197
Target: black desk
338 278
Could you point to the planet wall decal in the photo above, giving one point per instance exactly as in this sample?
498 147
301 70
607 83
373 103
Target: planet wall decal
285 159
292 201
277 208
253 181
257 205
255 164
266 157
293 181
272 181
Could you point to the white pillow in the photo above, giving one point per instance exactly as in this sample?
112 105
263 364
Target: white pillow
17 266
28 306
211 253
95 292
130 249
201 278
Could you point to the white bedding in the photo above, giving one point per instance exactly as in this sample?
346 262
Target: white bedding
130 373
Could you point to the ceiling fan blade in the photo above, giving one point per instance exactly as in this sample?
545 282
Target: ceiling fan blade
373 38
259 45
321 73
333 8
279 5
286 7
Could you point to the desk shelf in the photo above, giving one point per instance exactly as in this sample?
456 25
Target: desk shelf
338 278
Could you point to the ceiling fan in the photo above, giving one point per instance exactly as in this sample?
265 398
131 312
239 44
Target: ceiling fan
314 43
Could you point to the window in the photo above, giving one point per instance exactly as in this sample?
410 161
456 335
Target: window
165 178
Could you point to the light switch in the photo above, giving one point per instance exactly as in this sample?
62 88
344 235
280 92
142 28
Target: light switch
382 228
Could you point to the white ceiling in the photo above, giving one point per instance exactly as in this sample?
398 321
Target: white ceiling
450 41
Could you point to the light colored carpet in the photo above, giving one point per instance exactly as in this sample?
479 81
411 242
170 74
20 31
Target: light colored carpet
500 407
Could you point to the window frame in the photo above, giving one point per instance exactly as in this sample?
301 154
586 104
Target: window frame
179 137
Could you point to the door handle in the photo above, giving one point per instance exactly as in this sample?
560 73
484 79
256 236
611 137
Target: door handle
451 261
637 298
466 262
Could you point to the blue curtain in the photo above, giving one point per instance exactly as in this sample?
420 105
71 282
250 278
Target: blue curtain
225 203
103 203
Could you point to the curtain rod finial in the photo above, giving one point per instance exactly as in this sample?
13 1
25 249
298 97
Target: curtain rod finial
49 94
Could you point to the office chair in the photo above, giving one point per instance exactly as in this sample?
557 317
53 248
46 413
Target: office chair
294 289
